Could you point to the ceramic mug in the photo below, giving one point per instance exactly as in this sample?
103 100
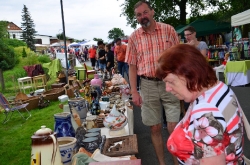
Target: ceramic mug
94 134
90 144
94 130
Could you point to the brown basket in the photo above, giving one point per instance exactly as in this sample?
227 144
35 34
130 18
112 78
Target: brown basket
53 94
33 102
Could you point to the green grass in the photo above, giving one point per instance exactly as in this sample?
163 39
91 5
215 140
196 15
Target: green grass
15 135
15 139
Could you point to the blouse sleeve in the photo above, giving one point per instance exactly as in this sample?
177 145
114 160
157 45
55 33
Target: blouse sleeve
207 126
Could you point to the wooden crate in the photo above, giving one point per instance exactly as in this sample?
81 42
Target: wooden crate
129 146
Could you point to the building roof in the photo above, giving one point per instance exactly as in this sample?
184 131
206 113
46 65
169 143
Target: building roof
12 26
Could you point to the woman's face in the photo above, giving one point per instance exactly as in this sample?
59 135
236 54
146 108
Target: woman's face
178 87
189 35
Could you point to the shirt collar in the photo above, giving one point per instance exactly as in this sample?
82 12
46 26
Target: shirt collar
157 27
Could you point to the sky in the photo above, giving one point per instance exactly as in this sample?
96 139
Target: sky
84 19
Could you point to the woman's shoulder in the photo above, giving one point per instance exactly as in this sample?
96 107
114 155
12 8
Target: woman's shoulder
202 45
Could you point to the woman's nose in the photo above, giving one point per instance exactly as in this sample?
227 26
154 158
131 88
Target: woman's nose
168 88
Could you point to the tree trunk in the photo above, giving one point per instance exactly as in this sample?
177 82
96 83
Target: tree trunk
183 13
2 80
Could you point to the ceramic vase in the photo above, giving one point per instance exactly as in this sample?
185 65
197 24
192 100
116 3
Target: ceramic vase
96 81
63 125
79 104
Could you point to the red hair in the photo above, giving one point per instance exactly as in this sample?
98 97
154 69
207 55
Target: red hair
186 61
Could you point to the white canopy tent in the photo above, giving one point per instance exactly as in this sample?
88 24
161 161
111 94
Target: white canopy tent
90 43
241 18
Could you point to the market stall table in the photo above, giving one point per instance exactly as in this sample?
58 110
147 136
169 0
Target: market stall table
237 73
128 129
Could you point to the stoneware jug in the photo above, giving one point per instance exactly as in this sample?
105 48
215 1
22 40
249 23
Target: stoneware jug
45 148
63 125
79 104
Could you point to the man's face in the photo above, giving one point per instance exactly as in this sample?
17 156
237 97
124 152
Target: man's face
118 43
100 46
144 15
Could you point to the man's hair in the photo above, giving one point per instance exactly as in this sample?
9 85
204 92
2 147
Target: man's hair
190 28
100 43
118 39
141 2
108 46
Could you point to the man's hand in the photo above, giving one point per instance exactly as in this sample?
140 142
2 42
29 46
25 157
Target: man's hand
136 98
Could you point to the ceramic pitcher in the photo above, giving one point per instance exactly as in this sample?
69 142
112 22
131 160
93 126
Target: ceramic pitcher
63 125
45 148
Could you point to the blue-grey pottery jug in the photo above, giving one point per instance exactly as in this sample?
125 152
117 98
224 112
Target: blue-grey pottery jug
63 125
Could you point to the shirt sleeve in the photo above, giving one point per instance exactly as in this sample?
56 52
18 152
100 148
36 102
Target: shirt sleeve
207 126
131 52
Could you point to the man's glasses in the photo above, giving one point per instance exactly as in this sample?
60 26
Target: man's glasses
186 35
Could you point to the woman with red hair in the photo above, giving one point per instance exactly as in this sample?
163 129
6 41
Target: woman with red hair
211 132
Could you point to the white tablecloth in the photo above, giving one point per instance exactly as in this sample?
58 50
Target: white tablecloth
238 78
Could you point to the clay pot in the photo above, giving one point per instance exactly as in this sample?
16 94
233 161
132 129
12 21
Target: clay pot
67 149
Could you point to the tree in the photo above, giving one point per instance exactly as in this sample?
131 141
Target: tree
169 11
115 33
7 55
28 28
60 36
97 39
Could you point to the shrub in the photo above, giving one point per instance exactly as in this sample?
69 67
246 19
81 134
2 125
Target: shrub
31 59
24 54
19 50
44 59
14 42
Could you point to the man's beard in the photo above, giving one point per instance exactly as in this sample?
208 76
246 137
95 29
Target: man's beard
145 22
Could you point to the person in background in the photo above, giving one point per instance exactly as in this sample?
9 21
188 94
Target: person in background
110 59
101 56
92 54
85 53
144 46
190 35
211 132
120 52
181 40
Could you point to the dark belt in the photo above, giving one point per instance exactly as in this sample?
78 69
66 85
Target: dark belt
151 78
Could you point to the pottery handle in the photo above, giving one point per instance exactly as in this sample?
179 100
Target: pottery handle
54 148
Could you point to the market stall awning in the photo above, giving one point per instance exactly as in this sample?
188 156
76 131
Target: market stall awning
207 27
241 18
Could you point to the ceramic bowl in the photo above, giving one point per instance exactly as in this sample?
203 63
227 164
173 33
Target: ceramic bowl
67 149
115 123
104 104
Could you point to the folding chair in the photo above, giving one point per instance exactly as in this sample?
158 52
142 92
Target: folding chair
10 108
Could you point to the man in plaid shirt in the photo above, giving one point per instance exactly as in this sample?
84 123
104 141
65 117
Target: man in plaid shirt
144 46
